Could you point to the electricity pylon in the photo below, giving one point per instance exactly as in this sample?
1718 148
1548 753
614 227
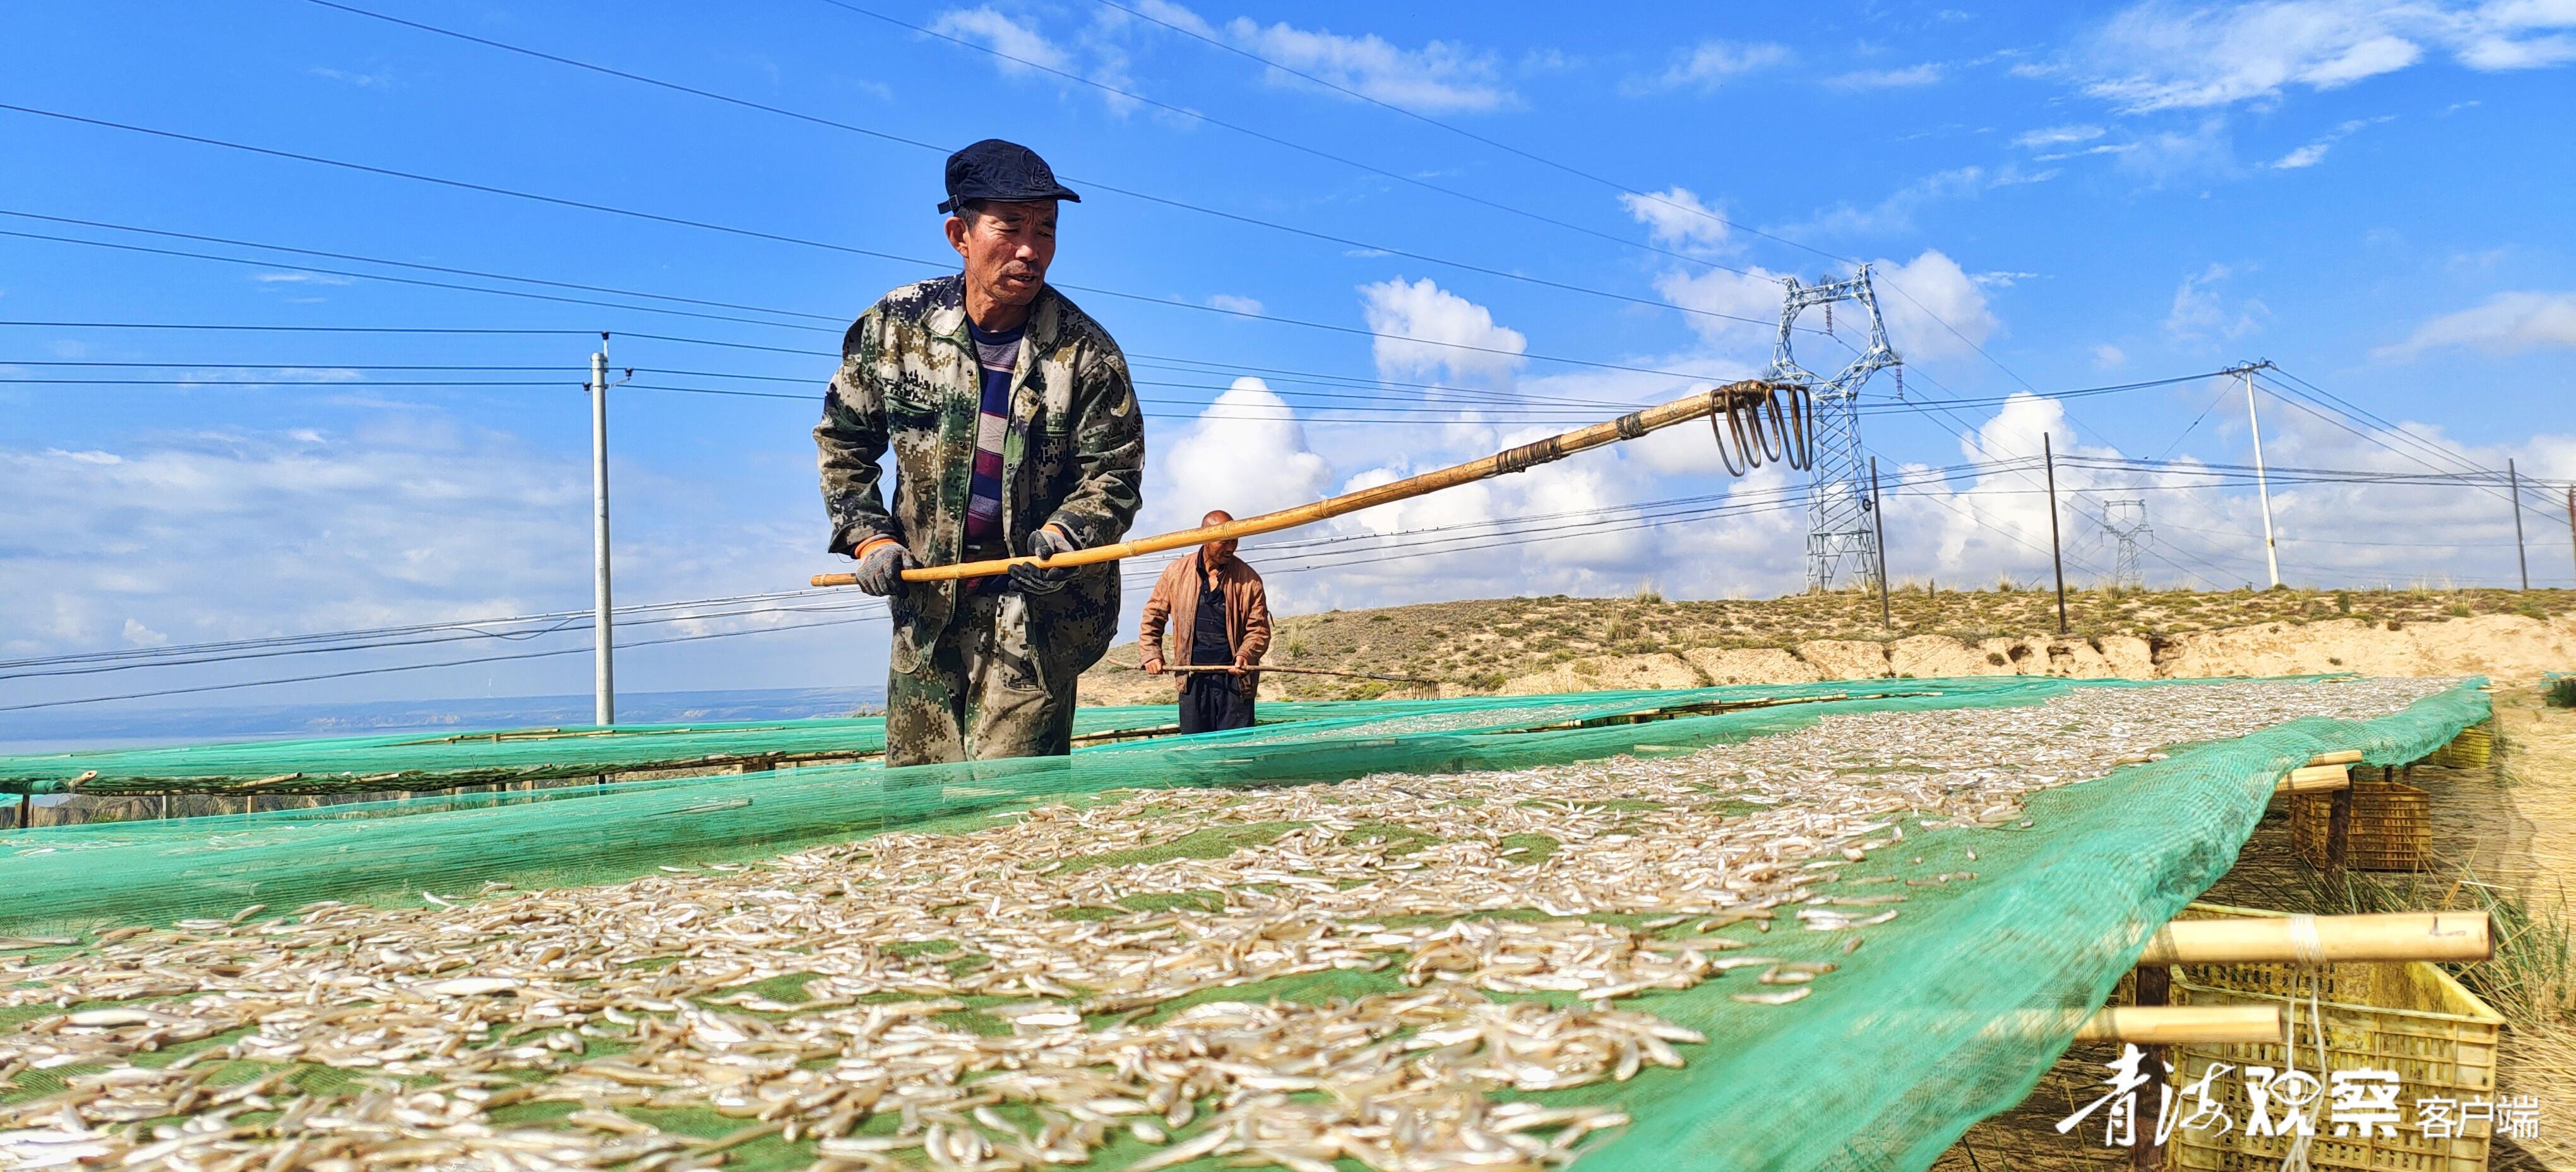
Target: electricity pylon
2126 522
1841 541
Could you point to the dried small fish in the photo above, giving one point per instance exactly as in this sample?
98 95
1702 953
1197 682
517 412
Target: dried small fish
1774 996
826 991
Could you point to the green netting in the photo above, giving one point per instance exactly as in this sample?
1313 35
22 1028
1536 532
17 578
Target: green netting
1951 1013
1997 975
414 761
481 757
158 871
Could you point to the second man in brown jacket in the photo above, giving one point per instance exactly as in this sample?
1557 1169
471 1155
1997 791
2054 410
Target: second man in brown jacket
1219 617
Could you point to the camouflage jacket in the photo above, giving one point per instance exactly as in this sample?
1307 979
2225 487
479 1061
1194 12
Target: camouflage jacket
1073 457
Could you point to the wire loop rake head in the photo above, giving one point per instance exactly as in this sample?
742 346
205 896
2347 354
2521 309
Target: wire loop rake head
1763 424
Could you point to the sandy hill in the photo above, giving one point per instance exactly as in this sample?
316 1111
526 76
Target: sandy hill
1562 644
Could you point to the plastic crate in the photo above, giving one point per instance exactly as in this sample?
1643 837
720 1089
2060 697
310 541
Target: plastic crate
2474 748
2392 826
2411 1018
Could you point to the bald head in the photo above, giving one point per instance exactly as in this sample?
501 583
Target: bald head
1216 555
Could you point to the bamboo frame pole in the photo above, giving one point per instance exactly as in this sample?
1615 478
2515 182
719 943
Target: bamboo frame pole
2169 1025
2315 779
2396 936
1697 405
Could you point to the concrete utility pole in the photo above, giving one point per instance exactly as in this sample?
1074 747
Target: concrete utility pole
2048 454
2513 484
1878 523
2262 487
2571 521
603 671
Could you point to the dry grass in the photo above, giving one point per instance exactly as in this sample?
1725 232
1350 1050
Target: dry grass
1483 642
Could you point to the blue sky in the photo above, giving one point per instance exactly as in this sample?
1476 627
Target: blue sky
2371 195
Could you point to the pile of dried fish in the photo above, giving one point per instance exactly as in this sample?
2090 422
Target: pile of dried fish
1040 991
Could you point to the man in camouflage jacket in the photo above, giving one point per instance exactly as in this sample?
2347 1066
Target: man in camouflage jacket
985 668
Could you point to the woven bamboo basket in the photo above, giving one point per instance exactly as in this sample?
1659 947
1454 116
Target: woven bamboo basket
2392 826
2474 748
2411 1018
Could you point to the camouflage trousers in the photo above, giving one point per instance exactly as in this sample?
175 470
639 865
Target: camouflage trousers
977 694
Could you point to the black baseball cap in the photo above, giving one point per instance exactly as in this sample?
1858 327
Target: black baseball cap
999 170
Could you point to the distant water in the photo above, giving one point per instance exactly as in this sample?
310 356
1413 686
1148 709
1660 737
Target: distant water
50 731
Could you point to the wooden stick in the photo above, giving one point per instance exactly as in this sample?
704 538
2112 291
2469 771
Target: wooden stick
1697 405
2397 936
1302 671
1294 671
2187 1024
2338 757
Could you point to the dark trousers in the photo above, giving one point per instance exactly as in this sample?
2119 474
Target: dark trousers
1212 701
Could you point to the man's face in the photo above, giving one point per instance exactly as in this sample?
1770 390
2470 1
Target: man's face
1007 247
1218 553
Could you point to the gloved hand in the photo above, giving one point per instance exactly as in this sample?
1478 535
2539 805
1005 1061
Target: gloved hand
881 572
1045 543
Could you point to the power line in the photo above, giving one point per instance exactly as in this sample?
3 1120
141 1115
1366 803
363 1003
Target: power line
1295 146
1103 185
807 242
300 329
373 671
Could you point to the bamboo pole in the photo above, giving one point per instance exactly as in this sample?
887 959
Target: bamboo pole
2315 779
1698 405
2204 1025
2397 936
2338 757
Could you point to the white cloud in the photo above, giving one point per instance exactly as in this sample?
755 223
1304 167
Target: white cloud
1910 77
1915 298
2205 151
2315 152
2306 156
1711 64
1752 294
1233 304
2057 136
1895 214
1424 329
299 279
2159 55
1932 308
2109 357
1439 77
1676 217
1006 36
2506 323
1170 13
1246 453
2199 311
242 534
404 518
1096 52
381 77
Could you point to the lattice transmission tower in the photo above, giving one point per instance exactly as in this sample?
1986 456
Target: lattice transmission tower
2126 522
1842 542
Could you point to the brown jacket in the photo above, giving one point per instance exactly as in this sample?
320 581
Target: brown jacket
1176 599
